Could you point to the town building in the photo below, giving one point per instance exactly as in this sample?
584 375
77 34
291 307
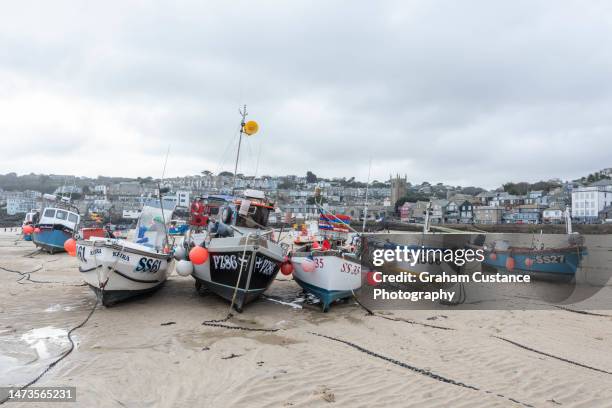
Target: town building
487 214
588 202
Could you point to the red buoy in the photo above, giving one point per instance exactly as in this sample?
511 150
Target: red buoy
198 255
70 246
286 268
510 263
371 279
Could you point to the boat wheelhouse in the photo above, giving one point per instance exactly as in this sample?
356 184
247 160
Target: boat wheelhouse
57 224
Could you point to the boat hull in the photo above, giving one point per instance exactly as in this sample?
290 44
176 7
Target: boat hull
117 270
259 259
51 238
334 277
551 264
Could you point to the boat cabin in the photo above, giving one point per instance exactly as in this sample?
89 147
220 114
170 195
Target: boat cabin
59 216
253 210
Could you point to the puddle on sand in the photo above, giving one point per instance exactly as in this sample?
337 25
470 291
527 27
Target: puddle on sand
58 307
197 340
39 339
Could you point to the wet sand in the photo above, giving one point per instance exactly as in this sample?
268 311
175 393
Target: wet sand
154 351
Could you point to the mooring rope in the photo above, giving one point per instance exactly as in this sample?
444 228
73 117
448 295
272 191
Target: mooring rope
26 276
63 355
396 319
418 370
552 355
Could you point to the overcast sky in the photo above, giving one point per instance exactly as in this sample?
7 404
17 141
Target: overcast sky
466 93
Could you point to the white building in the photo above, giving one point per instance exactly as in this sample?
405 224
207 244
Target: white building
20 205
587 202
101 189
131 214
182 198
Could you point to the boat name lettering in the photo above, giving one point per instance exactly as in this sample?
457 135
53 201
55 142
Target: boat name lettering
545 259
350 268
264 266
225 262
319 263
148 265
121 255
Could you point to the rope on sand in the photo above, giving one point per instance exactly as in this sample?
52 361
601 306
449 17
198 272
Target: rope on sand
63 355
397 319
418 370
25 276
553 356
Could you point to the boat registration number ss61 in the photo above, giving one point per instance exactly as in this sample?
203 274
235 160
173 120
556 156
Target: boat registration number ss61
148 265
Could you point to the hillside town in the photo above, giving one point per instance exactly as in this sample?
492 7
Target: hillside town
119 200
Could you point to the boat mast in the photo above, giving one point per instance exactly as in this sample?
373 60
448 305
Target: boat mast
243 115
365 207
568 221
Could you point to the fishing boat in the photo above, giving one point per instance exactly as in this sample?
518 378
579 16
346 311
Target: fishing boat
30 219
118 269
58 223
229 249
325 265
558 263
242 258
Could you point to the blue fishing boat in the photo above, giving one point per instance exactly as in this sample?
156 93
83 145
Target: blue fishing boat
57 224
558 263
552 264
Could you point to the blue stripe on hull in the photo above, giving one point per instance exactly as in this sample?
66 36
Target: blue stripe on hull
52 240
327 296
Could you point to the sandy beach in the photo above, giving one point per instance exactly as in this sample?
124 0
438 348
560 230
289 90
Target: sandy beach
155 352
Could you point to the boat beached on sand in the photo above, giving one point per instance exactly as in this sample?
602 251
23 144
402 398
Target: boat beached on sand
58 223
325 265
118 269
229 248
241 260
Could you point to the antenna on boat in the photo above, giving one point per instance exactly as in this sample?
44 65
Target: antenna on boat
159 190
426 224
243 115
568 221
365 206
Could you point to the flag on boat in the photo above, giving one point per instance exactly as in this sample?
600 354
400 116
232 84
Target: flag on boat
334 222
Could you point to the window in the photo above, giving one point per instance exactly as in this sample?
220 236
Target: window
49 213
73 218
61 215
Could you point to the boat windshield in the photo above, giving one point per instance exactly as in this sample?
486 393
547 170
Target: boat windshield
258 214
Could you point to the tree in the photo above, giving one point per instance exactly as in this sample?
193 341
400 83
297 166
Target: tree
311 177
226 174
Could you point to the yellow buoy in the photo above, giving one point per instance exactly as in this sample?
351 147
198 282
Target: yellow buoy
251 127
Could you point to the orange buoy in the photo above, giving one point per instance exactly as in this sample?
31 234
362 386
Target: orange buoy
198 255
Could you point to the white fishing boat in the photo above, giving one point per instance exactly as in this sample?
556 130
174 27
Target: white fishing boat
326 265
118 269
